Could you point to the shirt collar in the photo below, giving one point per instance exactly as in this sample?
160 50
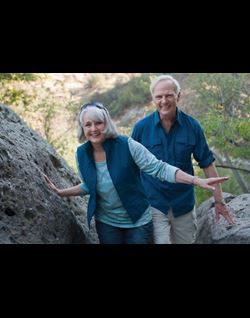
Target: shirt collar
179 116
157 119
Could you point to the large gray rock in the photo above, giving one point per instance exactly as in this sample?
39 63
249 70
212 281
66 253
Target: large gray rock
29 211
210 232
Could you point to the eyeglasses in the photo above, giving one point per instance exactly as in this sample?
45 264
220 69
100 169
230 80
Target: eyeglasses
94 104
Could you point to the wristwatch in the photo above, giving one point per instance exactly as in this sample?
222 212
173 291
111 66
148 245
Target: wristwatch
222 202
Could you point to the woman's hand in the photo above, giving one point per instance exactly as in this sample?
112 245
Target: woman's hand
51 185
68 192
209 182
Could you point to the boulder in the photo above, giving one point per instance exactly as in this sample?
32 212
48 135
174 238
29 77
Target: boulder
29 211
210 232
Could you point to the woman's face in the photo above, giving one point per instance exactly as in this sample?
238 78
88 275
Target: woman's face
93 130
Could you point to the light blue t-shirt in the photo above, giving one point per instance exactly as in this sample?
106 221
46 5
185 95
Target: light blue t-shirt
109 207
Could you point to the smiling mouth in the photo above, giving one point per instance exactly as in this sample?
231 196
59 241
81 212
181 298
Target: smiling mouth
165 107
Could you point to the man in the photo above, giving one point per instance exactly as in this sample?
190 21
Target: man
173 136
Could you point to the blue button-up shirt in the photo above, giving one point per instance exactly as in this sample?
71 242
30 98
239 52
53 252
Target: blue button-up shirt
176 147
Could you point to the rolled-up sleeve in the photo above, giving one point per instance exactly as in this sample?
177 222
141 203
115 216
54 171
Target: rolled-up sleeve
202 154
84 189
149 164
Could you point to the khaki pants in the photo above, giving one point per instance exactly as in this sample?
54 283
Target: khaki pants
168 229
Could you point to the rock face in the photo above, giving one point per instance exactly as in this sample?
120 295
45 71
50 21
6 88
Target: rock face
29 211
211 233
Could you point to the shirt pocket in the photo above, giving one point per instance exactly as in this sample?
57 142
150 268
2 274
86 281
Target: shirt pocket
183 151
185 166
156 148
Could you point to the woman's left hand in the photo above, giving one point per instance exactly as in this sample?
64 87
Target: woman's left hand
209 182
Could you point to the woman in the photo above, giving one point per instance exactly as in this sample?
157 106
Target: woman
110 165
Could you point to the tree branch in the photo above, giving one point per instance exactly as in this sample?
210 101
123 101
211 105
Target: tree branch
228 167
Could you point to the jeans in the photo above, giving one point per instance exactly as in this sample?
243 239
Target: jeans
109 234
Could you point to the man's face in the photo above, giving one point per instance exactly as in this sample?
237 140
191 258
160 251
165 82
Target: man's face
166 99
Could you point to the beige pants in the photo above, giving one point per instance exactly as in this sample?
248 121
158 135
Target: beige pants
168 229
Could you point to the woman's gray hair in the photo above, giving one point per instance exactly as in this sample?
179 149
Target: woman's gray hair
96 114
161 78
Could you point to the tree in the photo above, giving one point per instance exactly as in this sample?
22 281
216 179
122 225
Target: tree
224 104
44 111
10 93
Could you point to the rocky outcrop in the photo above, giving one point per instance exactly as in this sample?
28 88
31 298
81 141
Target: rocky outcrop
29 211
210 232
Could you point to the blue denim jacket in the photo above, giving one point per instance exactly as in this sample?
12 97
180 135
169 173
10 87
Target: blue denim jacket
186 138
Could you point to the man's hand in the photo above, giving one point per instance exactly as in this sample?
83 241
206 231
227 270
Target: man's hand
222 209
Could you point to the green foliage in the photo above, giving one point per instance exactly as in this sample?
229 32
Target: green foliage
10 93
201 195
231 186
135 92
222 105
48 115
14 96
47 110
18 76
39 106
224 101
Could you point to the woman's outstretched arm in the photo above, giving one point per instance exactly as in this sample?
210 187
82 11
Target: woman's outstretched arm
68 192
183 177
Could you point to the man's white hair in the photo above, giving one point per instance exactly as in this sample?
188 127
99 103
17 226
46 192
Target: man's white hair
161 78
